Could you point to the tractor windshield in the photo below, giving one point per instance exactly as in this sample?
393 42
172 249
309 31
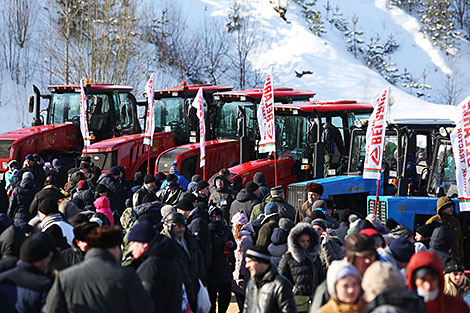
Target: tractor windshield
291 132
65 107
170 116
358 152
226 126
443 170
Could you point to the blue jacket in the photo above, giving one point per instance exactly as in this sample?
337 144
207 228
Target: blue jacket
25 287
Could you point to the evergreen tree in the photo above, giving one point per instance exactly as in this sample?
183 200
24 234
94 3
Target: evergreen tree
437 19
390 45
374 53
354 38
313 16
390 71
338 21
407 4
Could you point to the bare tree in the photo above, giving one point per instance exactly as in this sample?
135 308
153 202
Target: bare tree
461 11
453 87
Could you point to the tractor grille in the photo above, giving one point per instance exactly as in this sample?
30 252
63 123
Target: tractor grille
381 210
296 195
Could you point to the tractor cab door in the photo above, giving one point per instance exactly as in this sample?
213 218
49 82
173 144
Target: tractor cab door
317 146
125 117
100 119
442 179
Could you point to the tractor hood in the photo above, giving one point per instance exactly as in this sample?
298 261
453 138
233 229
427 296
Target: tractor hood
116 143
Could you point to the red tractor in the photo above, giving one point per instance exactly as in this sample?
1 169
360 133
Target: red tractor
233 135
112 111
311 141
175 124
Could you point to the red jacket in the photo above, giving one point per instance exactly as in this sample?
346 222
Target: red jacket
443 303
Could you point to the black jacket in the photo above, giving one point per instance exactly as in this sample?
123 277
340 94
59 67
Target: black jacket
20 201
48 192
163 275
198 225
10 243
26 288
244 202
73 255
143 195
38 172
284 208
99 284
223 258
171 194
407 301
270 292
86 196
302 266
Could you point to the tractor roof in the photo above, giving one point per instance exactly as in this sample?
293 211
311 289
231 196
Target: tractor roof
257 93
191 89
89 87
325 106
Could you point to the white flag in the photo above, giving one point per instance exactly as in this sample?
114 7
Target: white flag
460 138
83 116
198 103
375 136
150 120
265 116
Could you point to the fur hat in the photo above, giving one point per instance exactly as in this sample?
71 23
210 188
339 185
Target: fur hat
315 187
105 237
402 231
381 276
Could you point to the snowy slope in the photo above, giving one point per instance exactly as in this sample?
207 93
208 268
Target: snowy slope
337 74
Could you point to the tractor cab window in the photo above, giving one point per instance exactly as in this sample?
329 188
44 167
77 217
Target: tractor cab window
227 119
443 170
170 116
123 109
64 106
291 132
358 152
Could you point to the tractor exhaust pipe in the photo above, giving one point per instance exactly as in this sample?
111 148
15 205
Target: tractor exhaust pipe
37 107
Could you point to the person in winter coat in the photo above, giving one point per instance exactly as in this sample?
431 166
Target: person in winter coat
383 284
446 216
34 168
222 196
267 291
278 246
11 239
284 208
84 193
441 243
344 286
302 265
330 250
243 234
423 234
76 253
202 192
49 215
9 174
188 253
198 224
219 275
245 200
171 193
103 205
182 181
99 283
110 180
21 199
268 224
146 192
27 284
343 217
163 275
49 191
314 192
425 275
456 283
260 180
398 253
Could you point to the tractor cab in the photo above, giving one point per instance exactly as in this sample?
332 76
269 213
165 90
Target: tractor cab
112 112
310 141
175 123
233 135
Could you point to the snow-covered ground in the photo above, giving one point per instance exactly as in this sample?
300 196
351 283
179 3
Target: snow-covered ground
337 73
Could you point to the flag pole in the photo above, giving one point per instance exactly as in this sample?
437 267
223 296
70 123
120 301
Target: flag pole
376 196
148 160
275 168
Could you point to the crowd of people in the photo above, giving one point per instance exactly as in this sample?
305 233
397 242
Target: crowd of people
78 240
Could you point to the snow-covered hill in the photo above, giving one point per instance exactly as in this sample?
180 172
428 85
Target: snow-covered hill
337 74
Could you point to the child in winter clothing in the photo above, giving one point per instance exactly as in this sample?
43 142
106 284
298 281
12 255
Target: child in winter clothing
103 205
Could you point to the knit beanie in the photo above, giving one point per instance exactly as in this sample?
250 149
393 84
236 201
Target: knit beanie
34 250
174 168
184 205
320 205
114 171
149 179
453 265
259 179
142 232
239 219
319 222
426 230
172 178
201 185
270 208
317 214
251 187
48 206
337 270
402 249
402 231
259 254
196 178
286 223
381 276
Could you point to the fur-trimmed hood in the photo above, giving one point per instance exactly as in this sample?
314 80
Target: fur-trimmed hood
298 253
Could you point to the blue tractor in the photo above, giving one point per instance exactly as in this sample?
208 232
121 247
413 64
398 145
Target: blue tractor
403 173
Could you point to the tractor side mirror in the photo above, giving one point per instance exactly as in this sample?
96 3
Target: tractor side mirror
31 103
